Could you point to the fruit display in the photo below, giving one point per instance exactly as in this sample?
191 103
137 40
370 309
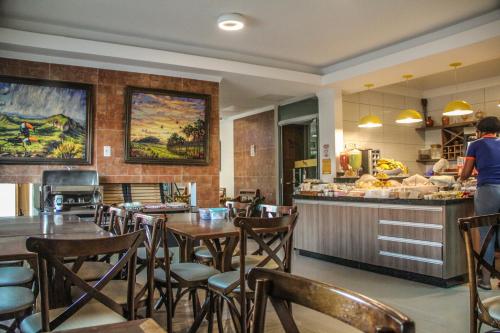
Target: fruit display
390 166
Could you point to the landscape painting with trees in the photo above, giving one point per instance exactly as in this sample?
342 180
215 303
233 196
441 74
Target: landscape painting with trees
44 121
166 127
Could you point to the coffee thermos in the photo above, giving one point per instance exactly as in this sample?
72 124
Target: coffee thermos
58 202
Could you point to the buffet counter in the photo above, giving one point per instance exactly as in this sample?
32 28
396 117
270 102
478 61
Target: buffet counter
409 238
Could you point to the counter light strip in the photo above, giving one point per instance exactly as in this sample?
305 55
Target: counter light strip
409 241
334 202
426 208
411 224
408 257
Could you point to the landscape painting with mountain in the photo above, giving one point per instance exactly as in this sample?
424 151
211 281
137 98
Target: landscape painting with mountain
166 127
44 121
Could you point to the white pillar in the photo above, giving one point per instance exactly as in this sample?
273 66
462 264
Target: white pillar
227 156
331 133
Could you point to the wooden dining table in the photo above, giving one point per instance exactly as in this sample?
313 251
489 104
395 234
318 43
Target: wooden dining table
15 230
219 236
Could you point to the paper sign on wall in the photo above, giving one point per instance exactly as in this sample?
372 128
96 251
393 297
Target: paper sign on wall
326 151
326 166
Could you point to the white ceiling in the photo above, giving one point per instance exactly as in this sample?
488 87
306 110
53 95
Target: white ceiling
295 42
465 73
304 35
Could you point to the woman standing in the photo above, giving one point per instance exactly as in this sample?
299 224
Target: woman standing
484 155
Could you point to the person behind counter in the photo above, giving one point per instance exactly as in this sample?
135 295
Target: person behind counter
484 155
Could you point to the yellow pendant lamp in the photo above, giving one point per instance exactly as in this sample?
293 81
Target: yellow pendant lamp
457 107
409 116
369 121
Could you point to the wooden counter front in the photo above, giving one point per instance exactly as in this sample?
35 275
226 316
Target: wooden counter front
422 239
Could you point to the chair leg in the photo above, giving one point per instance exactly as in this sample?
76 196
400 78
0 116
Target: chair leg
195 301
211 310
203 312
220 310
162 300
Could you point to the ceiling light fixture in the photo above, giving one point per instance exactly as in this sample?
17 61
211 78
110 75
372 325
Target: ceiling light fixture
369 121
408 116
457 107
231 22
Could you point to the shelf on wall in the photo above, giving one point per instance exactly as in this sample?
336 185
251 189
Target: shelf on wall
435 160
463 124
423 129
427 161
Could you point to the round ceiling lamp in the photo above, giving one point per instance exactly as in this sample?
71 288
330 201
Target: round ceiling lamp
457 107
369 121
231 22
409 116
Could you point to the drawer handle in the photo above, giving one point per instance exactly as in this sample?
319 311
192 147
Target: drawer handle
412 224
409 241
408 257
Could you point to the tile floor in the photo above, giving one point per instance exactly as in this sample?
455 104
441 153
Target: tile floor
434 309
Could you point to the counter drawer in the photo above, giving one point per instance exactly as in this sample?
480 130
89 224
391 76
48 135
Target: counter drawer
426 215
421 250
412 230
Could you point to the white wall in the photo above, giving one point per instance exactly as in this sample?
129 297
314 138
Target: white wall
7 199
399 142
227 156
484 99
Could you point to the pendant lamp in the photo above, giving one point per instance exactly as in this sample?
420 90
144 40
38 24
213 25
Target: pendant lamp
409 116
457 107
369 121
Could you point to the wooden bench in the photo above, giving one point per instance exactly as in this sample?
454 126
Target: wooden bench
144 193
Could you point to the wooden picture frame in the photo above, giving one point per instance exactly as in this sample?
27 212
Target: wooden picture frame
45 121
167 127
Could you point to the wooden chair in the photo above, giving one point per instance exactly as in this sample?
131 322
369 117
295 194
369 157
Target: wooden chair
82 312
151 225
101 214
230 286
119 220
270 211
236 208
482 311
186 277
275 211
92 269
15 303
356 310
201 253
16 276
120 223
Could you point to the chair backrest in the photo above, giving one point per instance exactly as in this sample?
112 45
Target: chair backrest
236 208
257 228
247 195
356 310
119 220
50 253
275 211
476 260
101 212
152 226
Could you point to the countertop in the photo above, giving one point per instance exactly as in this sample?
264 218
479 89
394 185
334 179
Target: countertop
421 202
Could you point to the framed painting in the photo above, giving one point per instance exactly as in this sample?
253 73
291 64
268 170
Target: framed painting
45 122
168 127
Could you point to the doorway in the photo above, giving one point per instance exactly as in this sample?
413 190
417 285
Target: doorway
299 155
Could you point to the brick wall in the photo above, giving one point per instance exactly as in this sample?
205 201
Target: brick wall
257 171
109 125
